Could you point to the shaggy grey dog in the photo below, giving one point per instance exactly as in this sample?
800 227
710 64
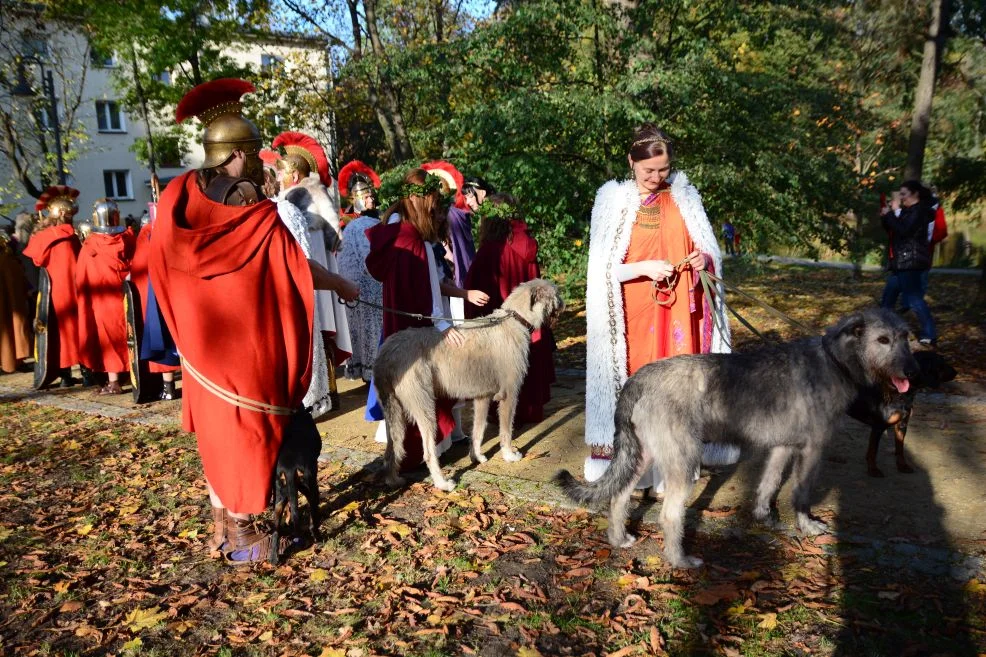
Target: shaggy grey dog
785 398
416 366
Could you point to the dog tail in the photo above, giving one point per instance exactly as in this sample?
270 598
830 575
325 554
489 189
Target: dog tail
627 452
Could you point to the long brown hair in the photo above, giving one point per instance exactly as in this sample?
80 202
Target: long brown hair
422 212
650 141
495 228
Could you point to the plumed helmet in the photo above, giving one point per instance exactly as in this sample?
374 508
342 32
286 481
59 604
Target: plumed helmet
452 177
58 204
106 217
358 181
83 230
218 106
270 158
304 155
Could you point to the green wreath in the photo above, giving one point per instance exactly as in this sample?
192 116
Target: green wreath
495 211
431 184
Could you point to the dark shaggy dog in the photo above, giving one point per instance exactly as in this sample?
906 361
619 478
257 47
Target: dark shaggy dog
887 408
297 468
785 398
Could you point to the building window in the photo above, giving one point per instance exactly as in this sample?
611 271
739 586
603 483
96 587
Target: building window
117 184
102 59
109 116
269 62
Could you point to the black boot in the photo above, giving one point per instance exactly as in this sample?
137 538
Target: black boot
168 391
67 380
87 377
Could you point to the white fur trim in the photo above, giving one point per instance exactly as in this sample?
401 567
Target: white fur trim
613 215
381 435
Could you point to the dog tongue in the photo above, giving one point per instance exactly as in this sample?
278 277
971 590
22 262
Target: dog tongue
902 385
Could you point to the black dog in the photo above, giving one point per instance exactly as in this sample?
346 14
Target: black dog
886 408
297 468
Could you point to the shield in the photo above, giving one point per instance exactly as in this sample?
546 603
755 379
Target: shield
45 335
146 386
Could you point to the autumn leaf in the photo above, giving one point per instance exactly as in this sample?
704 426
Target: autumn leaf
768 621
332 652
266 636
140 619
133 644
527 651
62 587
69 606
319 575
713 594
83 530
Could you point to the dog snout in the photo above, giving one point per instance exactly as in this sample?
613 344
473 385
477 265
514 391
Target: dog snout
911 368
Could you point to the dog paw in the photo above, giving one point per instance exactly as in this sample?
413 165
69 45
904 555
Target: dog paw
447 485
625 541
478 458
511 455
810 526
685 562
395 482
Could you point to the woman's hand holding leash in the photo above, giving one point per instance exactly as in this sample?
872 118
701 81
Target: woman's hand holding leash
656 270
696 259
477 297
454 336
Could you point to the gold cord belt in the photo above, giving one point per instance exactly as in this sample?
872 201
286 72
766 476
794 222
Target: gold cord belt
232 398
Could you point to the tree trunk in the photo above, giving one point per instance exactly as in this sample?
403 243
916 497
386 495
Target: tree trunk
389 108
934 49
856 248
139 88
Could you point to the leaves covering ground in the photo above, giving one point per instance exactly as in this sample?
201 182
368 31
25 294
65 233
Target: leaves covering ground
103 524
817 297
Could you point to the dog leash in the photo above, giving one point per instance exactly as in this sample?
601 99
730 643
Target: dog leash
708 284
488 320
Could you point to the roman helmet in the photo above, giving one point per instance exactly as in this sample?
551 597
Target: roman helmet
218 106
360 183
304 155
451 176
83 230
57 205
106 217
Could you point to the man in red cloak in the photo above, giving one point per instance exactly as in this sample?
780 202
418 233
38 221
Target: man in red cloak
55 246
507 257
104 264
237 294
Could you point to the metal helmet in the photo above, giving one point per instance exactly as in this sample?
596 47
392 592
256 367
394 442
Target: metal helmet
303 154
217 105
106 217
83 230
359 182
57 204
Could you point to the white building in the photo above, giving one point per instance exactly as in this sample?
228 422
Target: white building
104 164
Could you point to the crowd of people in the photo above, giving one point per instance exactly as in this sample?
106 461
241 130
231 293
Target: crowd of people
242 264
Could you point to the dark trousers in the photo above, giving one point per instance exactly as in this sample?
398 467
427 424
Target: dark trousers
910 286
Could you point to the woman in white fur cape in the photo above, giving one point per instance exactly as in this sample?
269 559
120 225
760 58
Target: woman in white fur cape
648 240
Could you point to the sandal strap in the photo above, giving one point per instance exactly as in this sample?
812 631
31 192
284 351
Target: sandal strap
218 528
244 533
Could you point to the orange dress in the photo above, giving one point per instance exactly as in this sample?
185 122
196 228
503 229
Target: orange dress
656 331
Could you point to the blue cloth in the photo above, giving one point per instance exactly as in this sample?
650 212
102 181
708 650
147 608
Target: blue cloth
156 344
374 411
463 249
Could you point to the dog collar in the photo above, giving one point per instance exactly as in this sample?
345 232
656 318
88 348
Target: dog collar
530 327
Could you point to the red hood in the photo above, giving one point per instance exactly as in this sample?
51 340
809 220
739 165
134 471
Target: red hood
114 250
39 246
223 238
522 243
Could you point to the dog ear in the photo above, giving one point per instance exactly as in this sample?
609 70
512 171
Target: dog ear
851 325
543 292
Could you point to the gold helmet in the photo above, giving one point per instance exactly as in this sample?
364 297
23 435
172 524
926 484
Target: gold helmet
83 230
106 217
304 155
359 182
57 205
217 105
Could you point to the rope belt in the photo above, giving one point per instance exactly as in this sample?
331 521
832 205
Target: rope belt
232 398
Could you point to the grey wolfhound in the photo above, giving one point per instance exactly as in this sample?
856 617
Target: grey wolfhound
414 367
786 398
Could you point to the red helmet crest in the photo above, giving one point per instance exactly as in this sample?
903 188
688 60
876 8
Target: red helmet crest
346 174
451 175
55 192
300 144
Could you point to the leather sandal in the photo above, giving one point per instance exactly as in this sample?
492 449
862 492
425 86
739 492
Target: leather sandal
111 388
247 542
218 539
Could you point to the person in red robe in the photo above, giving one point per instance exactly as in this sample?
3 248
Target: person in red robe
104 264
15 333
402 257
140 279
237 294
507 257
55 247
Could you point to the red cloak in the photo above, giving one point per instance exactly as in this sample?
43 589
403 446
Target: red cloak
104 263
138 276
237 294
499 267
57 249
15 334
398 259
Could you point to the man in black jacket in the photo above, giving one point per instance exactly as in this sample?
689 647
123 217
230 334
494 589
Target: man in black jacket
909 255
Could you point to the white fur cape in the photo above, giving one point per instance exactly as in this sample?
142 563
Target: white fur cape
314 200
613 216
